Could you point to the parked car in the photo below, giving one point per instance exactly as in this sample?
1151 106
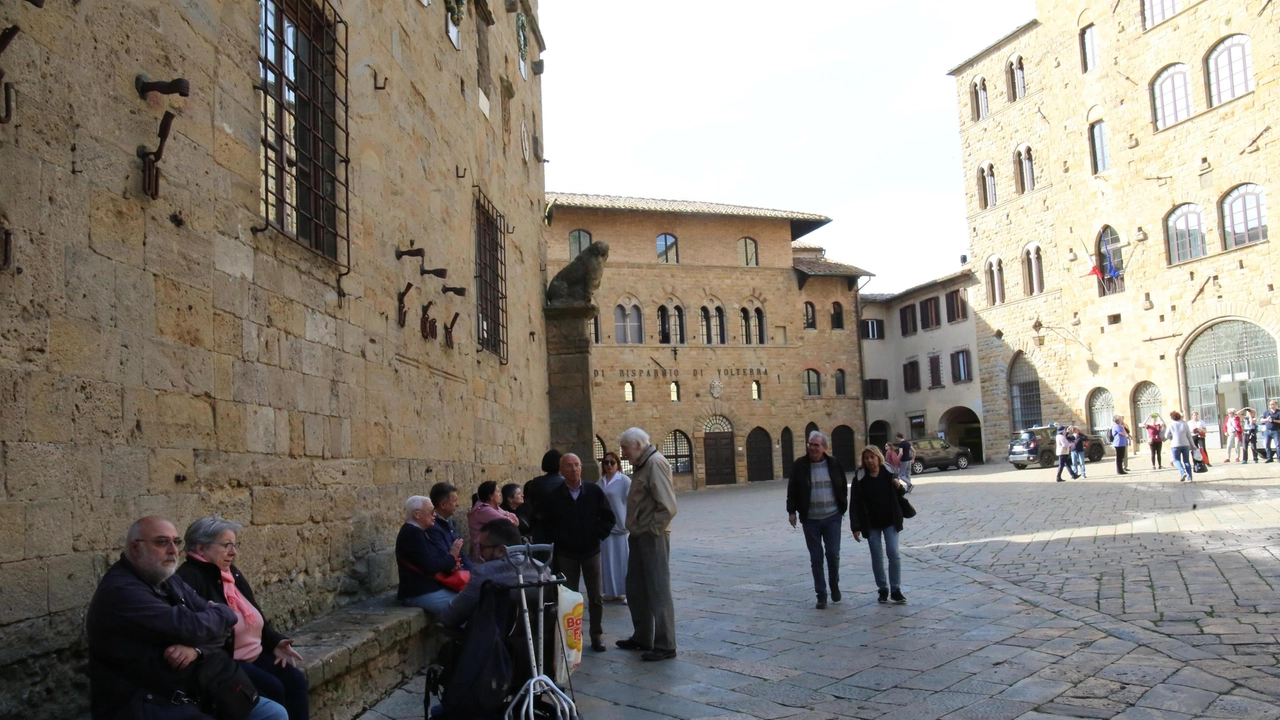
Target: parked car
935 453
1035 446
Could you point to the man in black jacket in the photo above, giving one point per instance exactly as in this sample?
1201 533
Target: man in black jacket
149 632
817 493
578 518
537 489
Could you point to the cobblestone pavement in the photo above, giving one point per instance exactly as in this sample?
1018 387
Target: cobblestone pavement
1134 597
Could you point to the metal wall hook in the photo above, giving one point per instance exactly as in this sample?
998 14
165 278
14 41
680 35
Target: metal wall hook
448 330
428 323
6 248
415 252
441 273
376 86
460 171
508 228
459 291
176 86
402 312
150 171
6 117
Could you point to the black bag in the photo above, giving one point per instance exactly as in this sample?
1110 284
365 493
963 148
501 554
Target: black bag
908 511
1199 466
225 690
479 684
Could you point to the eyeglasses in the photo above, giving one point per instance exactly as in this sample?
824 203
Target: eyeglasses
161 541
228 546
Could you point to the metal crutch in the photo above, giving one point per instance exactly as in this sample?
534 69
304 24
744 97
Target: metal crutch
539 685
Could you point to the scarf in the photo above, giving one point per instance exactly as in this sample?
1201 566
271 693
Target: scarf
235 600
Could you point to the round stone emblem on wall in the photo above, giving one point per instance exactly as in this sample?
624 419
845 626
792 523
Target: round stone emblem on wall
717 389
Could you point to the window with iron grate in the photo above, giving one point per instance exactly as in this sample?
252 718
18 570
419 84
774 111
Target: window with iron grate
491 278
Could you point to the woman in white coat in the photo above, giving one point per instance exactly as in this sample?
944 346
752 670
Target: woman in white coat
613 551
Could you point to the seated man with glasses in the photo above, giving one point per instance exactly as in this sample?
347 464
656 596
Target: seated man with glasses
149 632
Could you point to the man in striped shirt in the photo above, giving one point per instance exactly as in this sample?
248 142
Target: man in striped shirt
818 494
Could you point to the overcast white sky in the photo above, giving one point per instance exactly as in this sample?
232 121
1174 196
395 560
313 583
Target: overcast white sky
841 108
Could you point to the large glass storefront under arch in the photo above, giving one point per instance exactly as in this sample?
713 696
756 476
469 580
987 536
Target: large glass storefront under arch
1232 364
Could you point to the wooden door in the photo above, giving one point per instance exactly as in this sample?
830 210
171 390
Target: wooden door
718 454
759 455
788 452
842 447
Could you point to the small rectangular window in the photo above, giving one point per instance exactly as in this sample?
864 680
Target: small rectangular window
907 318
1089 48
911 376
871 329
957 305
1113 319
929 314
875 389
935 371
1098 152
960 367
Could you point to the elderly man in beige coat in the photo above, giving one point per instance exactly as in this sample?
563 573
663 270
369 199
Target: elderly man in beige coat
650 506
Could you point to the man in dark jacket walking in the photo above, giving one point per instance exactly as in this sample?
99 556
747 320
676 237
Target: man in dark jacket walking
817 493
578 518
537 489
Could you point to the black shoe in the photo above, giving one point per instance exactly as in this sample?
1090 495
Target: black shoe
1061 480
898 599
629 644
822 604
884 596
835 595
658 655
598 645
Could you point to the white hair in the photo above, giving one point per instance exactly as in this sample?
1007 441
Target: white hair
1117 418
207 530
414 504
826 443
633 437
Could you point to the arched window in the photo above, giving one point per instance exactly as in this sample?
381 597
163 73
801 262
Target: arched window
593 327
628 326
810 316
748 252
678 330
675 391
1024 170
1155 12
986 186
746 326
756 393
635 325
840 383
812 383
1244 216
1032 270
1017 79
1230 69
620 325
995 282
837 316
629 391
810 429
678 451
978 96
578 241
1024 393
599 449
707 337
1184 232
664 325
1146 400
1099 155
761 335
668 251
1171 96
1110 263
1088 48
1102 409
721 327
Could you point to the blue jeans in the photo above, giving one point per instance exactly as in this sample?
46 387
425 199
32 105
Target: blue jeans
879 540
1077 462
287 685
904 471
433 602
817 534
1182 460
268 710
1271 436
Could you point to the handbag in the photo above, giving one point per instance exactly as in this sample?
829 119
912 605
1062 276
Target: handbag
908 511
225 689
453 580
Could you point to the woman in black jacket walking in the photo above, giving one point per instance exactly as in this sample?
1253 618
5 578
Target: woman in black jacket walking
875 512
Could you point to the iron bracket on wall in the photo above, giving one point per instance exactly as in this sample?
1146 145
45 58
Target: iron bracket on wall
402 312
177 86
6 248
429 331
448 331
150 171
6 37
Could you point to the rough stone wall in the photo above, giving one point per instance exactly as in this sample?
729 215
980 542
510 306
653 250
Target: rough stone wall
708 271
159 357
1152 171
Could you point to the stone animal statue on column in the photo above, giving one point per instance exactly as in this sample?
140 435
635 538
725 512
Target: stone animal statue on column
578 281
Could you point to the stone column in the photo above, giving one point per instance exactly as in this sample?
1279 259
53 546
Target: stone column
569 373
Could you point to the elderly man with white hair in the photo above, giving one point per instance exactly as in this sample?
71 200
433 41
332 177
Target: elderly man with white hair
650 506
818 494
418 563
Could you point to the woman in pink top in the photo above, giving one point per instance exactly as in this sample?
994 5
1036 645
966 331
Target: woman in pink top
485 507
267 656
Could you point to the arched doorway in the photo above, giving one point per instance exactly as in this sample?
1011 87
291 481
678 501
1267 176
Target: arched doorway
842 447
878 435
759 455
808 429
717 451
788 452
1231 364
1102 411
961 426
1024 393
1146 400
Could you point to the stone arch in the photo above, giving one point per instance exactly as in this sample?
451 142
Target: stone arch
961 425
713 408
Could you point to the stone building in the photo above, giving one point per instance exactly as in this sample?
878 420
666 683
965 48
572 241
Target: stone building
717 334
1135 141
231 325
919 355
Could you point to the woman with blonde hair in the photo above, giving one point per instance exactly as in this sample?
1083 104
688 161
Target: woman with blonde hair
875 511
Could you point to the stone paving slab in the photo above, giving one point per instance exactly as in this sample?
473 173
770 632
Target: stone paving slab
1135 597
